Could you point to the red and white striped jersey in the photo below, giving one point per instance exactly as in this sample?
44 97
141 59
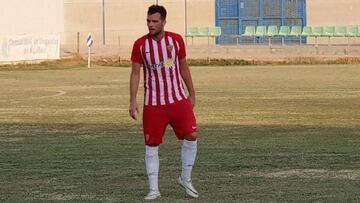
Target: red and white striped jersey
160 59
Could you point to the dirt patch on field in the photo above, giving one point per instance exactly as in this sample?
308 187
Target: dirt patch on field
310 173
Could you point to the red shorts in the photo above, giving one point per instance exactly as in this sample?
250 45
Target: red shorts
156 118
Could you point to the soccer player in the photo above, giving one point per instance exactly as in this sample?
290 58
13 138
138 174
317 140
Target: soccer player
163 58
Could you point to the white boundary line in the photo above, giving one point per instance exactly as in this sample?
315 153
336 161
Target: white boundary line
59 93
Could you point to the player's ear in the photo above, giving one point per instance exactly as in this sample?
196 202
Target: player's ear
164 22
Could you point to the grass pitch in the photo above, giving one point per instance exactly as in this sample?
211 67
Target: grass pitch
267 134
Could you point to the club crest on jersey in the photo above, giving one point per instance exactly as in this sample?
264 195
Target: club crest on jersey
169 47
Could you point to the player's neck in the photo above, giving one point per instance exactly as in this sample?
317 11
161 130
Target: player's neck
158 36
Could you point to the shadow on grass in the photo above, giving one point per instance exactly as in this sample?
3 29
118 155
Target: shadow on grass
104 163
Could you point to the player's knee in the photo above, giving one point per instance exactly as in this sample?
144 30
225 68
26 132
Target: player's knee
191 137
152 141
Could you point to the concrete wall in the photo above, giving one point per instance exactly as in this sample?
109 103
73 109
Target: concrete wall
125 20
31 17
30 29
333 13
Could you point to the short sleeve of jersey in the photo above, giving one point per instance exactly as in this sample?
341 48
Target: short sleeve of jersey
182 51
136 54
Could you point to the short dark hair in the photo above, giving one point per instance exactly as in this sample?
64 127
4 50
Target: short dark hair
157 9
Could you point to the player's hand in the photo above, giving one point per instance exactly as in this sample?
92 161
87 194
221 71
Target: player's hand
192 101
133 110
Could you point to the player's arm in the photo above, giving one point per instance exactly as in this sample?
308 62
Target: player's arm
186 75
134 86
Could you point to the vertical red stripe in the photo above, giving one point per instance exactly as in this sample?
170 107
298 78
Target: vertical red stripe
152 57
170 71
143 56
162 60
177 69
148 69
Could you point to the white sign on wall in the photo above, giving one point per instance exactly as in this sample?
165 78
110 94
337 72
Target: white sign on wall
29 47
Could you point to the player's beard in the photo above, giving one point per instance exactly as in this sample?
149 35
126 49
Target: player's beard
157 34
